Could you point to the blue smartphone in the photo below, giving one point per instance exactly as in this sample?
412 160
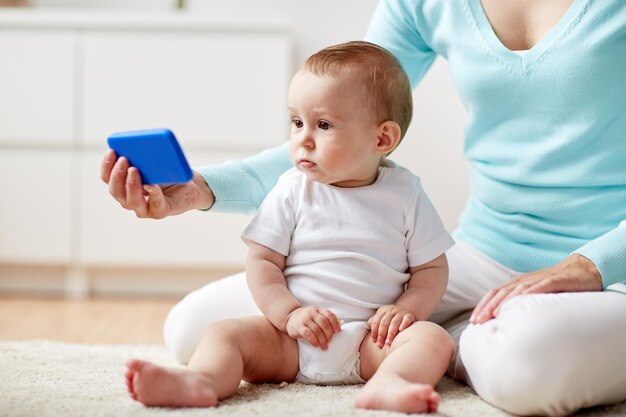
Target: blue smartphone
155 153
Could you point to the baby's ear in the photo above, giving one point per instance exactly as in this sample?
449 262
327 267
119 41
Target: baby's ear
388 137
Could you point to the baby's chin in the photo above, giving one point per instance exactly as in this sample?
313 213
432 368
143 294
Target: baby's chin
313 177
313 174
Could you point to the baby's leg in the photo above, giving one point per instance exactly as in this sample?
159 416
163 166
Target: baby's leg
249 348
401 377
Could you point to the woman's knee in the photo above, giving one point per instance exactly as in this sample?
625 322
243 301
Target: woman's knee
538 357
182 328
187 320
506 367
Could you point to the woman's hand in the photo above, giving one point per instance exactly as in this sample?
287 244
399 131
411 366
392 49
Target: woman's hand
152 201
313 324
388 322
575 274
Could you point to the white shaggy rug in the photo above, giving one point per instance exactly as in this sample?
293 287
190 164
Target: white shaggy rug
44 378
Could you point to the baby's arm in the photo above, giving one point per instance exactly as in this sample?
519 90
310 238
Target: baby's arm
264 273
424 290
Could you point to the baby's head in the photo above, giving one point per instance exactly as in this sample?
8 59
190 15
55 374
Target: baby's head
386 90
349 105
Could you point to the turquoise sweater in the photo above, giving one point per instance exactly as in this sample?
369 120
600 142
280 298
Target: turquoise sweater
546 138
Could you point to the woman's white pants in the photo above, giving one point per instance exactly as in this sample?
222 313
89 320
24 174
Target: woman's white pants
545 354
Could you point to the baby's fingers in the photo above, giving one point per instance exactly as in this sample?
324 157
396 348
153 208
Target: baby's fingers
398 324
393 330
407 321
308 335
315 335
383 329
326 330
334 322
374 323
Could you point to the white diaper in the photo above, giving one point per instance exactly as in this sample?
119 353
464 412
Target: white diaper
337 365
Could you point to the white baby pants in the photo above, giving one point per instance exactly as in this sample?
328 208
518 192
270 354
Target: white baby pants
545 354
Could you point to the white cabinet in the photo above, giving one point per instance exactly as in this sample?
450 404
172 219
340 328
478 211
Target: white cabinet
222 91
36 212
112 236
67 81
36 87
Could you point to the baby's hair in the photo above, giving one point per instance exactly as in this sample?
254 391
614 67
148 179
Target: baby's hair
388 90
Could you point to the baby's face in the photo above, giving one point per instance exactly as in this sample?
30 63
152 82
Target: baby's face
333 136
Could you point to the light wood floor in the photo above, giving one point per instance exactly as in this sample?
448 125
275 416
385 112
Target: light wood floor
94 320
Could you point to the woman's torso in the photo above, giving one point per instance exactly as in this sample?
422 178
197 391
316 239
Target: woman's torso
546 136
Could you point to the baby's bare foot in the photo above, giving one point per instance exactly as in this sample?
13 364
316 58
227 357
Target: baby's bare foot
155 386
393 393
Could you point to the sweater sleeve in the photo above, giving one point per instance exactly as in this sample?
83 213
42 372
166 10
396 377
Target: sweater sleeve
240 186
396 27
608 253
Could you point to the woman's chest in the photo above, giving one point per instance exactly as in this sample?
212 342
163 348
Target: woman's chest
521 24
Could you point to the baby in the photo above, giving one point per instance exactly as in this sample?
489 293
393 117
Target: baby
345 257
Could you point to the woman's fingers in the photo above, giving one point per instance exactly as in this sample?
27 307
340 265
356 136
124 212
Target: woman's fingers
107 165
517 290
126 187
157 205
490 305
486 298
478 310
134 193
575 273
117 180
492 301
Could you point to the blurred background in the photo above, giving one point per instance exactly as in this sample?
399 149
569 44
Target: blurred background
216 72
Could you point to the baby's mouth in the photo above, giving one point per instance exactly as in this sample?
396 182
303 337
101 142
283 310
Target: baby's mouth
305 163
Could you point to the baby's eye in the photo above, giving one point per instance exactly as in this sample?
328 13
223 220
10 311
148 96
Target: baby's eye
324 125
297 123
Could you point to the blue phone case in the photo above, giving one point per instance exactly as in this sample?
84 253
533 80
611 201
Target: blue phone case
155 153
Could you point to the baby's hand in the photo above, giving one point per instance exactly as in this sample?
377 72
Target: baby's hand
314 324
388 322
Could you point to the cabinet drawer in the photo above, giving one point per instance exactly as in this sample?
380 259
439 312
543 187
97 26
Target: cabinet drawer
35 212
36 87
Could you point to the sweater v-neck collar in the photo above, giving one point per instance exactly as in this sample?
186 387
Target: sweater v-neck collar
517 60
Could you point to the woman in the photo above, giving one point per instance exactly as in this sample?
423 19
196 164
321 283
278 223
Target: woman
541 246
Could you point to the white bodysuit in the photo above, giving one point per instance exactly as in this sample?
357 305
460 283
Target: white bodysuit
348 250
